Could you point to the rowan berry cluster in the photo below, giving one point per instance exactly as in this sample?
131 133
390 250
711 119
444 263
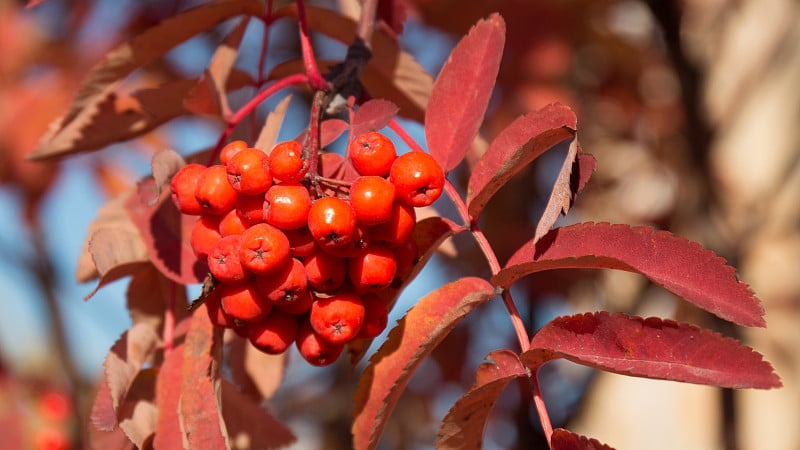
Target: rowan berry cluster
297 263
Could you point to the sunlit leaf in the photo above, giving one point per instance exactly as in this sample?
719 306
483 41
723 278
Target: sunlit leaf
168 394
372 116
462 90
268 136
138 413
686 268
415 336
654 348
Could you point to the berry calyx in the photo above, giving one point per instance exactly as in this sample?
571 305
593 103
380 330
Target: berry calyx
314 349
332 222
264 249
224 261
372 153
338 318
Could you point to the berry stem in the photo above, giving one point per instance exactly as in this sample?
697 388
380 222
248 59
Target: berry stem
395 126
251 105
315 78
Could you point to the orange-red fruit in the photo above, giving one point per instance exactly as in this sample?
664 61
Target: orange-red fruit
332 222
398 228
372 153
232 223
406 255
417 178
275 333
285 286
215 194
183 186
205 234
215 312
286 162
338 318
250 208
286 206
301 243
50 438
372 198
325 272
224 261
264 249
248 172
300 305
314 349
372 270
243 302
54 405
231 149
360 242
376 316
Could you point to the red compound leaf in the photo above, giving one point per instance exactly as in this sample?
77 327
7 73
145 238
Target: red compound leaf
168 395
562 439
653 348
463 425
686 268
462 90
372 116
414 337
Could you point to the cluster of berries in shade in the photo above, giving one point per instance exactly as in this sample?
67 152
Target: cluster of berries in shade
299 264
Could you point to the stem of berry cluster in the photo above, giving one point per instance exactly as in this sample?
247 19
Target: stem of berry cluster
494 266
315 78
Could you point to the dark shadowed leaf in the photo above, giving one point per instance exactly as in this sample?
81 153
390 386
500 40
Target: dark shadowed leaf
211 88
429 233
268 136
165 164
686 268
138 413
519 144
122 364
168 394
582 171
655 348
414 337
393 13
96 98
372 116
249 425
113 216
199 409
562 439
561 196
463 425
166 234
255 373
462 90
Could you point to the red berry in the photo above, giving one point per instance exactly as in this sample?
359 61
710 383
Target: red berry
264 249
286 286
332 222
243 302
183 186
418 178
216 314
300 305
250 208
231 149
338 318
205 234
372 270
372 198
286 162
275 333
360 242
325 272
232 223
398 228
376 316
372 154
407 255
286 206
314 349
54 405
224 261
214 193
248 172
301 243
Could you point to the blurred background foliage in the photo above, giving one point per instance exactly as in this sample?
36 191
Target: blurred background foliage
690 107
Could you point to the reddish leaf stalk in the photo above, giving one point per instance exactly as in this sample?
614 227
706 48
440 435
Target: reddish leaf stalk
169 320
315 78
251 105
541 408
311 145
395 126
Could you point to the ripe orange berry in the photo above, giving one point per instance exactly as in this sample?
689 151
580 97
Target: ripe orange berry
325 272
215 194
398 228
232 223
417 178
231 149
407 255
250 208
372 198
285 286
286 162
372 270
205 234
224 261
243 302
275 333
248 172
301 305
301 243
286 206
338 318
332 222
372 153
314 349
376 316
183 186
216 314
264 249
